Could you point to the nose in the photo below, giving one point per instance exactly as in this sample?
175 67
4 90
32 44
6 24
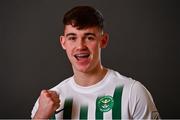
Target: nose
81 44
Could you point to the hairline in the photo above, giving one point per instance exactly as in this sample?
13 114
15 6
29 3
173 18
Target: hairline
101 30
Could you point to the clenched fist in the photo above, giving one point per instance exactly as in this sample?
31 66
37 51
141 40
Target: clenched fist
48 103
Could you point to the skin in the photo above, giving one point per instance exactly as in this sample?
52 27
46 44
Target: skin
87 70
48 103
90 41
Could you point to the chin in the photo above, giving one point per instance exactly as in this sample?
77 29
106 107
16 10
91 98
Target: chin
83 69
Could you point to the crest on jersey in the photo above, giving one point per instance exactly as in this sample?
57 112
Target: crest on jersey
105 103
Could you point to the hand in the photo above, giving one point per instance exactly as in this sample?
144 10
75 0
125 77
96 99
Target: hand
48 103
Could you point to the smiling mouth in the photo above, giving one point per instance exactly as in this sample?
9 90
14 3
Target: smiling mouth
81 56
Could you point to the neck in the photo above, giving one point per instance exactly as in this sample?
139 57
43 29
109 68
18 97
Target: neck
89 78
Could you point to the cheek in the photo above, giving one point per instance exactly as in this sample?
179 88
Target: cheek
94 47
69 54
68 50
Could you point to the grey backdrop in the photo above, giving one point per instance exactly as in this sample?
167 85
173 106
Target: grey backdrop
143 45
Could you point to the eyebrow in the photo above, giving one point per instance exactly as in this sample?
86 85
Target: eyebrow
86 34
69 34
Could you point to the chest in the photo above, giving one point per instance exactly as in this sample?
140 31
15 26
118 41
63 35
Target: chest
102 104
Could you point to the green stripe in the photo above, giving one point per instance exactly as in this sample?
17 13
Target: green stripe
116 111
83 112
67 108
99 114
53 117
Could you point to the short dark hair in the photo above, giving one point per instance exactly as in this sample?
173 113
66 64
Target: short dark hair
84 17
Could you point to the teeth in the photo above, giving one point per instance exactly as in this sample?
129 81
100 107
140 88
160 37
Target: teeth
82 55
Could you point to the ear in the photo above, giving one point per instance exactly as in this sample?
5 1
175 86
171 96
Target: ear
104 40
62 41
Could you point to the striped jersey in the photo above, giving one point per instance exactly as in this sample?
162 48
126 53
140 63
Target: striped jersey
114 97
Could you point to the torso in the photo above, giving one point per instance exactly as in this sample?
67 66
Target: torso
101 100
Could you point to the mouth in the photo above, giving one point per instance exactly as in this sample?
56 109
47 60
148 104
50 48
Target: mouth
82 56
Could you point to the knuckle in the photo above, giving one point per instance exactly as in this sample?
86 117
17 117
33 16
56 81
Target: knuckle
53 92
43 91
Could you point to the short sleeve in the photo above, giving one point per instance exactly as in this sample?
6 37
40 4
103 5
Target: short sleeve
141 103
34 110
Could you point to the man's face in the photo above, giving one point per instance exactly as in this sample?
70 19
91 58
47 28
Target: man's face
83 47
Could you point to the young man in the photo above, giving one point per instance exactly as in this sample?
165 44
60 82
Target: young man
93 92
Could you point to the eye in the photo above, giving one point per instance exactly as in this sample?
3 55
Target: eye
90 38
71 38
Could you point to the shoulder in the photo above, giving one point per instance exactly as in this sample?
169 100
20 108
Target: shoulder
120 79
137 100
141 102
139 91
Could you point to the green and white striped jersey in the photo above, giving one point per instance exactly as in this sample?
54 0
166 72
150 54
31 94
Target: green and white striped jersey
114 97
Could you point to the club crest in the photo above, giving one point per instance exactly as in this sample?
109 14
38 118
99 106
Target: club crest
105 103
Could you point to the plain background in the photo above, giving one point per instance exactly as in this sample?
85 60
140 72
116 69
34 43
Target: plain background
143 45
